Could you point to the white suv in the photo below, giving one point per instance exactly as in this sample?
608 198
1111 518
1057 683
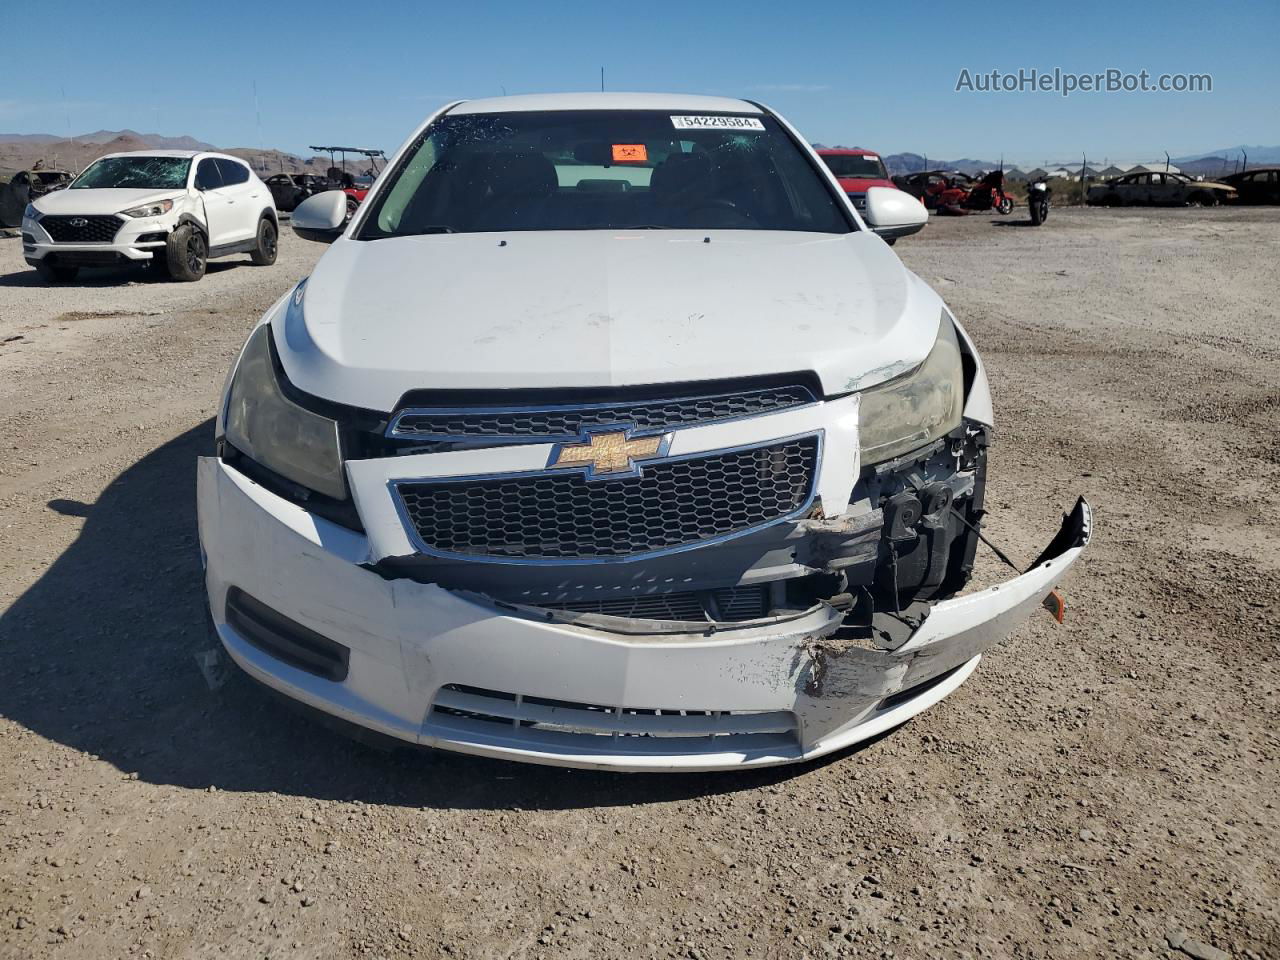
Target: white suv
173 208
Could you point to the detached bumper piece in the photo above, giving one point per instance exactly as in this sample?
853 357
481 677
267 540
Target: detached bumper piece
298 607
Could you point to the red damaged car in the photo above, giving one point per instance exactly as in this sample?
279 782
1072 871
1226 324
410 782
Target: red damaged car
857 170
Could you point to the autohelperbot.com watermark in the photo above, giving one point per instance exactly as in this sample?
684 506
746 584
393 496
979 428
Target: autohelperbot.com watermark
1065 83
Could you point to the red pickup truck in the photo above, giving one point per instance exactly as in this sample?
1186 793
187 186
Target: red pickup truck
857 170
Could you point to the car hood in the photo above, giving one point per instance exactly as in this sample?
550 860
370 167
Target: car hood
496 311
98 201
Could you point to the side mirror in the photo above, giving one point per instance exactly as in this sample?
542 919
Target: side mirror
321 217
894 213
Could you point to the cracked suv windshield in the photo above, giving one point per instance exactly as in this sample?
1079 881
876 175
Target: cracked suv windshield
604 170
135 173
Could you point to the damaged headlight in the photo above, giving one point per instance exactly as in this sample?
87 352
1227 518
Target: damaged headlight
269 428
155 208
914 409
31 213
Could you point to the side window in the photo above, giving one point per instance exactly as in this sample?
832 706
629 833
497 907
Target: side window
232 172
207 175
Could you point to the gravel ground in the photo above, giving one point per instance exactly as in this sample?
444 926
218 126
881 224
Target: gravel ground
1102 788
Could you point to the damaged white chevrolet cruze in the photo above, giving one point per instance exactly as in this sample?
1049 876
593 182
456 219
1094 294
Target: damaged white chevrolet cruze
608 434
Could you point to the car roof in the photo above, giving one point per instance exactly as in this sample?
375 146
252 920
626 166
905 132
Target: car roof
685 103
846 152
179 154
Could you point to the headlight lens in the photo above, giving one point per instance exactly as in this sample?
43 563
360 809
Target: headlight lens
906 413
31 213
266 426
154 209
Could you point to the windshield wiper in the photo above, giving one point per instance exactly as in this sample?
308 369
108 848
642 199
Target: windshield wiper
432 228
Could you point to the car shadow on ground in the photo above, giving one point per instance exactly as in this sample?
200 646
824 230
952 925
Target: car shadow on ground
101 655
108 276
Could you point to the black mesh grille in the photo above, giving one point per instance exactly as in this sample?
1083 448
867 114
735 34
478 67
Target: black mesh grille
565 516
726 604
81 229
570 422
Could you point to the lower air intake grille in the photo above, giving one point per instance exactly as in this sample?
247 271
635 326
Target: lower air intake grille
564 516
81 229
466 712
730 604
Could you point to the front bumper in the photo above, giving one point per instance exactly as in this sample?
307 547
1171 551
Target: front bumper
451 670
137 241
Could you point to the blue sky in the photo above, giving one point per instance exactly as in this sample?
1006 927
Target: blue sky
877 75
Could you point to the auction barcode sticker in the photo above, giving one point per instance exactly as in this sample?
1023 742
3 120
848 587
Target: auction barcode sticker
716 123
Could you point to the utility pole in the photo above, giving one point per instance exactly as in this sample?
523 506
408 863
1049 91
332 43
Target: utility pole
1166 161
1084 186
602 79
75 160
1246 160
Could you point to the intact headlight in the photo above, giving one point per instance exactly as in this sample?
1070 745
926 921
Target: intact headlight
912 410
268 427
154 209
31 213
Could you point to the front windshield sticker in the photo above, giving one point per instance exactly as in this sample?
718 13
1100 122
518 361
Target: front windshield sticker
716 123
630 153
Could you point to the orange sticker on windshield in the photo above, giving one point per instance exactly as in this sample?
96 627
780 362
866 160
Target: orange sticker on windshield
630 153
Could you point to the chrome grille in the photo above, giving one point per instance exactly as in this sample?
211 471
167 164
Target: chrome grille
564 517
564 423
82 229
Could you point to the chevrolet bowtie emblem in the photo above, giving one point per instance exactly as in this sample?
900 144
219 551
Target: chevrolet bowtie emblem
606 454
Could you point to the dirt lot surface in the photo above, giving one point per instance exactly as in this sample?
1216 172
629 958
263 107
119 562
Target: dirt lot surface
1105 788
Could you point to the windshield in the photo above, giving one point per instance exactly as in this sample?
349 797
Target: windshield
866 167
135 173
602 170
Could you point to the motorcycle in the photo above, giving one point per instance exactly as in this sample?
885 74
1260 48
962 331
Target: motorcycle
1038 200
988 194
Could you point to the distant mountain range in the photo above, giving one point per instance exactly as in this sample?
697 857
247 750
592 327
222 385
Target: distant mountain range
1216 163
1257 155
21 151
153 140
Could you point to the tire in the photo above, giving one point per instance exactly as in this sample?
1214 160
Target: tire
352 206
264 252
186 254
54 274
1005 206
891 240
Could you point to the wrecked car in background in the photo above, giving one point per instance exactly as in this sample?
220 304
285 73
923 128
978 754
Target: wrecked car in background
25 186
608 434
290 189
1255 186
1159 189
